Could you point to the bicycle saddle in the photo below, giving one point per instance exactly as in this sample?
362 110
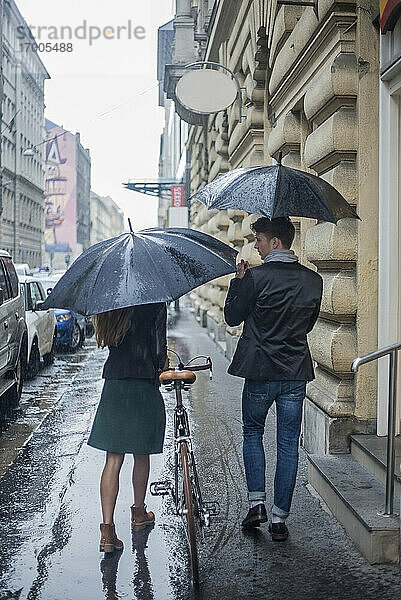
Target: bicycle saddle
171 375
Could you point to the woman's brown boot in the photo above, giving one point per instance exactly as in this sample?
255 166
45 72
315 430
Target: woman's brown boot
140 518
108 539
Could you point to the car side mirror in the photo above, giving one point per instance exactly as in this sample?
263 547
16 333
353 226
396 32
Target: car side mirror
39 306
1 296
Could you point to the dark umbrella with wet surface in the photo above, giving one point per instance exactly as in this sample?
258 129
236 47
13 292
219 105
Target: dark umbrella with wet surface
153 265
276 191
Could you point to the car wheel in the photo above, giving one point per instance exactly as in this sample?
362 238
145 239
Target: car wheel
48 358
75 338
34 361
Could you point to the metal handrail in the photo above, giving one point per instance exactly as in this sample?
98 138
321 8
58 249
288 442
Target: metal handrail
392 351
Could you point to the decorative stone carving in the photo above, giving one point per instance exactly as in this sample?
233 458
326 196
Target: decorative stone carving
339 294
344 178
336 86
285 21
332 243
286 135
333 346
335 140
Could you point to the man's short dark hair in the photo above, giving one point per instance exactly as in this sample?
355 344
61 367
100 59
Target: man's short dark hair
281 228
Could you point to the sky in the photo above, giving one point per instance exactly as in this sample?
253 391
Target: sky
106 88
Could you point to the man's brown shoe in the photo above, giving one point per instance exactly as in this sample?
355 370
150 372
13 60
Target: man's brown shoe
140 518
108 539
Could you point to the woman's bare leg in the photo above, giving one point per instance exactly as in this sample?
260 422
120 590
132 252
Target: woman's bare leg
109 485
140 476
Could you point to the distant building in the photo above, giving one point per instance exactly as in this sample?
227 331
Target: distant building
83 195
173 156
22 128
107 219
67 196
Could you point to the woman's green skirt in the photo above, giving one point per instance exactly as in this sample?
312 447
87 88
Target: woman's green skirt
130 418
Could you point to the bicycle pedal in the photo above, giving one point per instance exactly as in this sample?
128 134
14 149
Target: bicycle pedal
160 488
213 508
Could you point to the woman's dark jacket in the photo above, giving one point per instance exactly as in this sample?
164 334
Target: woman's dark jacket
143 351
279 304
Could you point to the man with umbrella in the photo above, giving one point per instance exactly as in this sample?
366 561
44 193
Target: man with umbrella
279 302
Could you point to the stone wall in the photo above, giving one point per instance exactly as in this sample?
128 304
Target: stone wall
310 93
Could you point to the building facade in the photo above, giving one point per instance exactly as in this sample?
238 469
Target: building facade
22 128
67 196
173 160
107 219
310 92
83 195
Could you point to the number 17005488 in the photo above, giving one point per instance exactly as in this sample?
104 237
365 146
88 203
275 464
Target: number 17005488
46 47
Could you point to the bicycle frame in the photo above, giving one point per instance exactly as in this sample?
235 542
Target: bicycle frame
182 435
185 490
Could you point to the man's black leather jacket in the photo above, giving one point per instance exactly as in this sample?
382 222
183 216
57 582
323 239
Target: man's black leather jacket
279 303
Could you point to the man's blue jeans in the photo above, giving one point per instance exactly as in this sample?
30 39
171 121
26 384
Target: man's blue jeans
257 398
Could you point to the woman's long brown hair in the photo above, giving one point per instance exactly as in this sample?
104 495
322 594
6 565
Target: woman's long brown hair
111 326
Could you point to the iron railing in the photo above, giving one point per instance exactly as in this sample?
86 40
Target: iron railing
392 351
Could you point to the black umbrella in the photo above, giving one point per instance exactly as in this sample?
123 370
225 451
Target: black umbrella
276 191
153 265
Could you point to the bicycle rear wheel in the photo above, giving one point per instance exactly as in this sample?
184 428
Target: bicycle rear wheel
190 518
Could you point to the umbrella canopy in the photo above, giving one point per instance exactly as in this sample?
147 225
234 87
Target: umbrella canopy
276 191
153 265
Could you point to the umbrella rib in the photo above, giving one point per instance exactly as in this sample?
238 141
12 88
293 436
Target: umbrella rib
156 266
199 243
106 252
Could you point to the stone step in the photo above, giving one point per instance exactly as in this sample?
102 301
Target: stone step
355 498
371 452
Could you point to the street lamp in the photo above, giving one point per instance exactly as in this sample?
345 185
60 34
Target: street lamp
32 150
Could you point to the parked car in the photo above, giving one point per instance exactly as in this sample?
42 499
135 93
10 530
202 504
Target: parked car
42 326
13 336
71 327
23 269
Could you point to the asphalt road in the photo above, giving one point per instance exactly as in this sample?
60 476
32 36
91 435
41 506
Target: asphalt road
50 513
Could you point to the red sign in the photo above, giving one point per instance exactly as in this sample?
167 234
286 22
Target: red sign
177 195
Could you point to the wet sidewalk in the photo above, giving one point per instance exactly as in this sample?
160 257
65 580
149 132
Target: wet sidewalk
50 513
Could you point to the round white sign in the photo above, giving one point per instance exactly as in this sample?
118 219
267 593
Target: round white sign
206 91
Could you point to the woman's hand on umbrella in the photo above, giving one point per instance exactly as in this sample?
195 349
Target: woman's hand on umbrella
241 268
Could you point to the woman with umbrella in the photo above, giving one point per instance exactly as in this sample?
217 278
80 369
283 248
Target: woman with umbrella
130 417
125 282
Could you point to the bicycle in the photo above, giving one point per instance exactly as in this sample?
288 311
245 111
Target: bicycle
185 490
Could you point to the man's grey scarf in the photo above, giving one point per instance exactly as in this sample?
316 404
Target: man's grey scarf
287 256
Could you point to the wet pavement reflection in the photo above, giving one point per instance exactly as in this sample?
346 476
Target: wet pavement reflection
50 510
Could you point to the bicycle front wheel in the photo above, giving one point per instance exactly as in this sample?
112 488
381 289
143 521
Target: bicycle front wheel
190 518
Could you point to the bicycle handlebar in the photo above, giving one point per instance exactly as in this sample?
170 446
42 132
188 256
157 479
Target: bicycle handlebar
207 365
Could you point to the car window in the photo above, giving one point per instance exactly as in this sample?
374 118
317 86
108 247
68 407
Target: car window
41 291
35 293
3 283
12 276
